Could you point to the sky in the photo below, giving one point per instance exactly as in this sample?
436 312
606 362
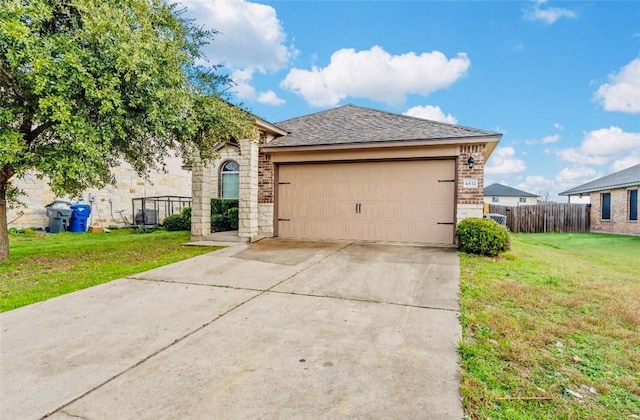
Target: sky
559 79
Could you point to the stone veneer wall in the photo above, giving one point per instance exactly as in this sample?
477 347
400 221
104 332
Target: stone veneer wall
226 154
470 200
128 185
619 222
248 206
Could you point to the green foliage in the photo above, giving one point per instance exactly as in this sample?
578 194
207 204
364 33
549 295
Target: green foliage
222 205
224 214
87 84
178 222
482 237
232 216
14 197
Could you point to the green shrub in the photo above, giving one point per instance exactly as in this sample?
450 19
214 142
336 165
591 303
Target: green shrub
220 223
224 214
180 221
482 236
232 217
221 205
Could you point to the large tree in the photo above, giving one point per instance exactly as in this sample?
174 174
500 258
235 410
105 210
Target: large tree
85 84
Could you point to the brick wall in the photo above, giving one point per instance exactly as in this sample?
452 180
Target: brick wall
470 200
265 179
619 222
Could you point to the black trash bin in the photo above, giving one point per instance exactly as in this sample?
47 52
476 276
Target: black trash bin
59 213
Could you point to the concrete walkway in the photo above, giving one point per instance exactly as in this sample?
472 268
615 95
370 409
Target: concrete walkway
275 329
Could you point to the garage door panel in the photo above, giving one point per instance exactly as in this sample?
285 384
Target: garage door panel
398 201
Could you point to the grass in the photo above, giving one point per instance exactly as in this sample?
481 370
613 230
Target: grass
45 266
558 312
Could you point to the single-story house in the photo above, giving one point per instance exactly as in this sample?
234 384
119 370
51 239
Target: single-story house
349 173
614 201
508 196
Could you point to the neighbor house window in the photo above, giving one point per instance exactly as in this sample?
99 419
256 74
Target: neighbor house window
523 199
495 199
605 199
633 204
229 185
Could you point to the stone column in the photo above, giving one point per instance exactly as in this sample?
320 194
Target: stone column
201 182
248 193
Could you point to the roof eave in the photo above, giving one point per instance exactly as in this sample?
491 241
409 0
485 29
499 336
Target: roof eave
603 188
491 140
270 127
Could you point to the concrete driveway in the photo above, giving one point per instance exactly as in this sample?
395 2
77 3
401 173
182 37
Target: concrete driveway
275 329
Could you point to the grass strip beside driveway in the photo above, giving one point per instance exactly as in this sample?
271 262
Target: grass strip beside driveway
46 266
558 313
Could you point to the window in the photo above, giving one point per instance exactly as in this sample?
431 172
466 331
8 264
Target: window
605 199
633 204
230 174
522 199
495 199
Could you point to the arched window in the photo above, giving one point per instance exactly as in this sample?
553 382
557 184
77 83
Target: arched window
229 174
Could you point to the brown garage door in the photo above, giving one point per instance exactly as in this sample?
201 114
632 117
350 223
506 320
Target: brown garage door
403 201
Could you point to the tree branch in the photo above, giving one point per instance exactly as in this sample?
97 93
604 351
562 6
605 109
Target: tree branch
7 75
33 134
7 172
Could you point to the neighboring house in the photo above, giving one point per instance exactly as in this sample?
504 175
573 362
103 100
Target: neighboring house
614 201
507 196
107 201
349 173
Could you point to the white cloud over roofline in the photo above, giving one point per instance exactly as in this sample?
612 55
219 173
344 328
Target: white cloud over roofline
377 75
622 93
607 146
431 112
504 161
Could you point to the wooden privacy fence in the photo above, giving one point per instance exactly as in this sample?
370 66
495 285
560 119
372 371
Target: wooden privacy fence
552 217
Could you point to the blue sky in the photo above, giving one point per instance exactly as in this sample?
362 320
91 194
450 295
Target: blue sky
560 79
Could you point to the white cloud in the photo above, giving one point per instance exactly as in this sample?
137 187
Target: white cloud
603 146
558 126
251 36
270 98
547 15
624 163
503 161
550 139
545 140
575 176
377 75
243 88
623 92
430 112
251 39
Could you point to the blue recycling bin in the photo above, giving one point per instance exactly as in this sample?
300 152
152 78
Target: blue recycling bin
79 215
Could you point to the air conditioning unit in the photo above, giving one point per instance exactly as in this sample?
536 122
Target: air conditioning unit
500 218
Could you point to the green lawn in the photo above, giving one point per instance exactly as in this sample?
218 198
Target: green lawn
558 312
45 266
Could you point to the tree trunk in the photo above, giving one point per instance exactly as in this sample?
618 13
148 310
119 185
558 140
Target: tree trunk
4 232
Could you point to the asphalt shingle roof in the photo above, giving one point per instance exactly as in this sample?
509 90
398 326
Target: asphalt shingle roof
624 178
495 190
352 124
